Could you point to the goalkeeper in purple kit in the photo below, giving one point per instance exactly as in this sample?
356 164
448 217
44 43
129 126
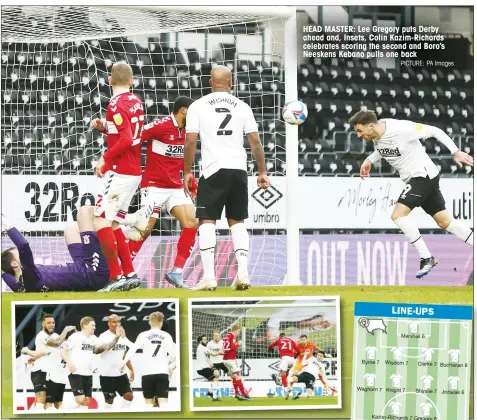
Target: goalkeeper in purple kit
89 270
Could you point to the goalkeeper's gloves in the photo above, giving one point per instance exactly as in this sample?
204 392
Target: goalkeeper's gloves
6 225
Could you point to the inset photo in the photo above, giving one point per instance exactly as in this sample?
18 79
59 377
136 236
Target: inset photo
264 353
95 356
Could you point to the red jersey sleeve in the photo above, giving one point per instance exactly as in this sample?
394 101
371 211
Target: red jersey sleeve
152 131
274 344
122 122
295 347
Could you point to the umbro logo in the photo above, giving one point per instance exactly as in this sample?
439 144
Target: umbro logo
267 198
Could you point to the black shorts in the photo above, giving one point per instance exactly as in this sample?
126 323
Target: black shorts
207 373
226 188
81 385
425 193
54 392
110 385
221 367
38 380
308 379
155 386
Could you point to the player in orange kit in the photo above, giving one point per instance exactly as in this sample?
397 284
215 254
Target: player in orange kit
306 350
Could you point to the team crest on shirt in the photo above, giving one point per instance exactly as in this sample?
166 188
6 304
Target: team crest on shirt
171 137
118 120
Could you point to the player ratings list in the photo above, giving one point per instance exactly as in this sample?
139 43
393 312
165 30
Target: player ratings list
411 361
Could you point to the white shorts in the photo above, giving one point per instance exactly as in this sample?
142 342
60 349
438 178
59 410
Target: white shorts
232 365
286 363
117 192
157 197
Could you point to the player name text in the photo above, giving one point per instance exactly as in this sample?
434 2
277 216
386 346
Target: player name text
394 363
424 391
360 388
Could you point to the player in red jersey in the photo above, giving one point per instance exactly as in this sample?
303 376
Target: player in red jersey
287 349
121 168
231 344
161 184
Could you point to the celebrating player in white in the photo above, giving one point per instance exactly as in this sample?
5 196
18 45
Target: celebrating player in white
159 356
78 354
313 369
221 120
111 378
44 341
397 141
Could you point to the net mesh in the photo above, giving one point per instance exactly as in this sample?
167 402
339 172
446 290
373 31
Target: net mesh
260 325
55 66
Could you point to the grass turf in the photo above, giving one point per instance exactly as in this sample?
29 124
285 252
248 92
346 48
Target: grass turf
264 402
348 296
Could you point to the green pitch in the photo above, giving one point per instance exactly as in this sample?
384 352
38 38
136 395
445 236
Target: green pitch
265 401
348 296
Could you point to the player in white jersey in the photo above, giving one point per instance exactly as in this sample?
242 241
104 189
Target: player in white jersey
111 378
78 354
44 341
221 119
398 141
159 356
206 367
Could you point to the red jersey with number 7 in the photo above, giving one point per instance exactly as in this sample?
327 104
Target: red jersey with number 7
286 346
124 122
165 153
230 345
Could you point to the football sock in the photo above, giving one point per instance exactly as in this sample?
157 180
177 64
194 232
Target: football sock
108 406
285 380
241 388
303 395
123 252
207 240
235 385
125 403
130 219
241 242
107 241
134 247
412 234
184 246
462 231
37 407
83 408
214 389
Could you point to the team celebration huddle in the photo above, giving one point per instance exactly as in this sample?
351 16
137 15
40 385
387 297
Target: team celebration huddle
67 361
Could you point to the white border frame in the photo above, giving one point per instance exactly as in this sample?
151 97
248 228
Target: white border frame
226 301
26 413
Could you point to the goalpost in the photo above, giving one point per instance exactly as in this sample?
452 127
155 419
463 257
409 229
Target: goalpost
55 64
261 323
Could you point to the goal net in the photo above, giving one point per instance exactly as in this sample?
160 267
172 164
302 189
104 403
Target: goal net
261 323
55 66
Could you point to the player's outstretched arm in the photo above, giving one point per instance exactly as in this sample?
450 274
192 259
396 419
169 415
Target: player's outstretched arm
108 346
366 166
274 344
33 353
459 156
98 124
56 342
131 352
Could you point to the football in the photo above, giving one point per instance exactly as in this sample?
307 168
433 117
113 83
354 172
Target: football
294 112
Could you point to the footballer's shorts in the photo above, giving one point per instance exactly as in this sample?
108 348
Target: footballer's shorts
286 362
116 195
81 385
308 379
54 392
232 366
38 380
221 367
89 253
155 386
110 385
425 193
226 188
207 373
168 197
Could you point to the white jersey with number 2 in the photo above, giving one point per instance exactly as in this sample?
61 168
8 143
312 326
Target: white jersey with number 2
221 120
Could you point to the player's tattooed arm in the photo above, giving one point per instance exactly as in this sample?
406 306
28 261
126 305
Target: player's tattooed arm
58 341
108 346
